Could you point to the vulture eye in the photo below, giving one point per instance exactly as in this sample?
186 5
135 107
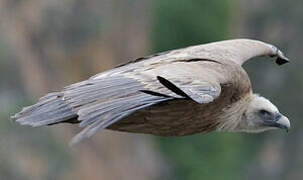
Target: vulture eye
264 113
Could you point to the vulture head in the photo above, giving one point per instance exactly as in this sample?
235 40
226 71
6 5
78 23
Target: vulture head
262 115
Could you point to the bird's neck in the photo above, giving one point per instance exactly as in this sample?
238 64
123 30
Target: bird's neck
234 115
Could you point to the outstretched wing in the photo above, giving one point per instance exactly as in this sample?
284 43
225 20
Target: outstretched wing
101 104
101 101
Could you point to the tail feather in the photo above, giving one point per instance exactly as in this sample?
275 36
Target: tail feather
95 104
50 109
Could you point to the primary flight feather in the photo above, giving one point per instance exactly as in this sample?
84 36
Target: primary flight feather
180 92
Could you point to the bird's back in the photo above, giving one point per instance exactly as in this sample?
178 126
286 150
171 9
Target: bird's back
179 117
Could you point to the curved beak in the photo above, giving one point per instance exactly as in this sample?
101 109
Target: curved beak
283 123
278 121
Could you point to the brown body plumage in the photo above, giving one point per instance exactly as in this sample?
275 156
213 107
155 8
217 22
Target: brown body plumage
184 117
180 92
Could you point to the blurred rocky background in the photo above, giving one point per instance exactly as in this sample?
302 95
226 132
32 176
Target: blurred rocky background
48 44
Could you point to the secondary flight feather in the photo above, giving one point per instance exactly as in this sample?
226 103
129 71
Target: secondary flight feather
180 92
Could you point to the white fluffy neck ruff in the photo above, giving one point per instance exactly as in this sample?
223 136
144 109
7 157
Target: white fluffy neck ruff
233 114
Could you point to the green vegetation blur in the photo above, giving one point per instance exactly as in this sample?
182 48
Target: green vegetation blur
215 155
177 25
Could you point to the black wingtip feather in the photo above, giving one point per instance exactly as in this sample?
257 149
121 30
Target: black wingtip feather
154 93
281 61
172 87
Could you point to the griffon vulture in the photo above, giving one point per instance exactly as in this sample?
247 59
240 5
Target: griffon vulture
180 92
